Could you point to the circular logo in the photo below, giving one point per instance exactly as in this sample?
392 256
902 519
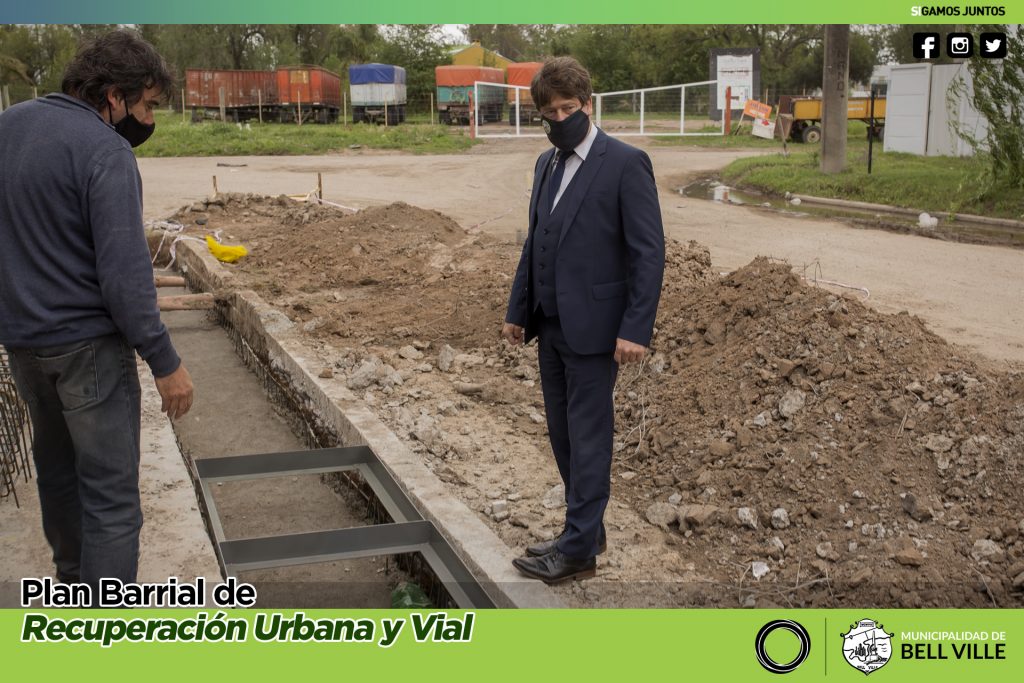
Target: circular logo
793 627
546 126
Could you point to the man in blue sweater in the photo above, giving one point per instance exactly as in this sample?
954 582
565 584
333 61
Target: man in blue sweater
77 299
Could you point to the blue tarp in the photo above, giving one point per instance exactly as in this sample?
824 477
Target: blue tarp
360 74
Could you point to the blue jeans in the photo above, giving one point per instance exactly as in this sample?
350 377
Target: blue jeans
84 400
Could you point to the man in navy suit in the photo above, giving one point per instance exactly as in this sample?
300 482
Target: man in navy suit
587 286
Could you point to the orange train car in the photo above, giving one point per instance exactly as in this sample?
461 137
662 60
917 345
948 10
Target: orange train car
308 93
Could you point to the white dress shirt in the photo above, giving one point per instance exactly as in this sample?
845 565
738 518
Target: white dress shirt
575 160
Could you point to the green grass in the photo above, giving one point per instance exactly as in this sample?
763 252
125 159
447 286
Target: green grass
907 180
856 133
174 138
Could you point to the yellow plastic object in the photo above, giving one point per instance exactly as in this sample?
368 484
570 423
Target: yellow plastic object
225 253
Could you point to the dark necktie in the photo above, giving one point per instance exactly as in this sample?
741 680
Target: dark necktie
556 178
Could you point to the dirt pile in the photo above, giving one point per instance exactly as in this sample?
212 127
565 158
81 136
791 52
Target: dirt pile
783 445
804 430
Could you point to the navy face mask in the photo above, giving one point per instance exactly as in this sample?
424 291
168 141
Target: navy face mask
133 130
569 132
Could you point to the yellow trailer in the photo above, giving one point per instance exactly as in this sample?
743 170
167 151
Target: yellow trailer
806 113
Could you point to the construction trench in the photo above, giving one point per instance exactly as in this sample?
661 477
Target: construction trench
783 445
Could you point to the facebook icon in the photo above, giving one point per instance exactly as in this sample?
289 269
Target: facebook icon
926 45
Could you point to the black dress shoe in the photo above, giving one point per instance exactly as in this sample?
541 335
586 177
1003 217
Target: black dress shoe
556 567
545 547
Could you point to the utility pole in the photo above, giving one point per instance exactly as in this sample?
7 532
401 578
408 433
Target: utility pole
835 82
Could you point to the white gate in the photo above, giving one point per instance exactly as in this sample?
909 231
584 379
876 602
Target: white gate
680 110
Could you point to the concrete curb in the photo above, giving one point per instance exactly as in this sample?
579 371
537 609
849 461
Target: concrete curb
273 337
885 208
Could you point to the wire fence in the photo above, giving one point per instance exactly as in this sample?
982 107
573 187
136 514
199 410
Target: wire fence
15 434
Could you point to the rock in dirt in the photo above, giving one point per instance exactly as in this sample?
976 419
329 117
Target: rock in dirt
695 515
554 498
445 358
759 569
365 373
937 443
747 517
661 514
986 549
780 518
905 552
410 353
792 403
721 449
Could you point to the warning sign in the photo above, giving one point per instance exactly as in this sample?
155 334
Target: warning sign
757 110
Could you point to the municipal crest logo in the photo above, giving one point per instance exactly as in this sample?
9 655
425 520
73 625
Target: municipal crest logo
866 646
545 125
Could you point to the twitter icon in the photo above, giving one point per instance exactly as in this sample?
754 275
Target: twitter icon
993 45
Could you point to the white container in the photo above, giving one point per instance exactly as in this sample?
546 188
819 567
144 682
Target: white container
369 94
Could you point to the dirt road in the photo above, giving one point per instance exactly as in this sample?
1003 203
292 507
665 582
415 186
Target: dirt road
970 294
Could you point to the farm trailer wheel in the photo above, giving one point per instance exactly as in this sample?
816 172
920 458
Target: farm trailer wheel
811 135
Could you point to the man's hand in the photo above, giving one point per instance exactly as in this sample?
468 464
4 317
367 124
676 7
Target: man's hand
628 352
513 334
176 391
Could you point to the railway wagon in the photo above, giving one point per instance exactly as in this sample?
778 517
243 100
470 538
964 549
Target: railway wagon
308 94
245 93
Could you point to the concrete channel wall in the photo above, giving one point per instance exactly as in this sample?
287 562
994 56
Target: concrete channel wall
334 409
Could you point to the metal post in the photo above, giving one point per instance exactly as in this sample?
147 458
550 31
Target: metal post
475 98
223 108
300 107
7 97
682 110
385 113
871 128
598 111
259 103
344 104
727 114
431 108
517 112
183 105
35 92
472 118
642 107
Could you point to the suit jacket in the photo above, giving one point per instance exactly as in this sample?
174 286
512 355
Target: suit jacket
611 251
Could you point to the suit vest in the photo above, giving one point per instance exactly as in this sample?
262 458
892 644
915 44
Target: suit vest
544 254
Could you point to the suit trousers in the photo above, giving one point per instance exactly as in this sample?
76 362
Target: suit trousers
581 418
84 400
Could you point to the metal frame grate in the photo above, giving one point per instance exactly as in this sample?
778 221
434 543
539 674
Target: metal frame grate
409 533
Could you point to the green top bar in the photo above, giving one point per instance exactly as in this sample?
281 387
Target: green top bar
520 11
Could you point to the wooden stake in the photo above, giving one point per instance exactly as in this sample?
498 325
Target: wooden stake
320 186
215 190
187 302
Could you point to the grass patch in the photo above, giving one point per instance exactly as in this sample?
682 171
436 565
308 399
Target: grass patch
927 183
175 138
856 137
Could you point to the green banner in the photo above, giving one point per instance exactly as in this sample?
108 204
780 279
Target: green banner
493 645
522 11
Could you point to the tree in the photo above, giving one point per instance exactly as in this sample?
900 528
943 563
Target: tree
995 92
418 48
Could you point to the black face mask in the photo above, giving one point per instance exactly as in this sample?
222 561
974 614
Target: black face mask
131 129
568 133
